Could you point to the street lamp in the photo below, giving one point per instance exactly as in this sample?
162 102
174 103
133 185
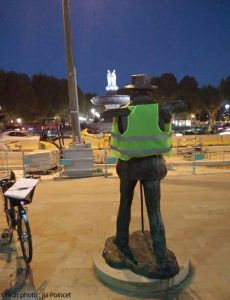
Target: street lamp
78 159
72 78
19 121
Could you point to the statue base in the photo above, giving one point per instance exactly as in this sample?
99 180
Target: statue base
128 283
143 262
140 279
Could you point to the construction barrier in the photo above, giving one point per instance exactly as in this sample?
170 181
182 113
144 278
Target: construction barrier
29 162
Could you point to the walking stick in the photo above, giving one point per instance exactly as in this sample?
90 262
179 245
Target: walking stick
142 209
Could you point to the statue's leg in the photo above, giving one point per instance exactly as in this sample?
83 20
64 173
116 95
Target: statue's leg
157 230
124 212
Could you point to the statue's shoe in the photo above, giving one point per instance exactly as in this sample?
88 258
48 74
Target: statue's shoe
128 253
164 272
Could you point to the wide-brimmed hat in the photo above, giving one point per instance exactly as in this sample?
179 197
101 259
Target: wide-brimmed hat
140 82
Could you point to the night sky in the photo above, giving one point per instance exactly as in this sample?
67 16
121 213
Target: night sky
184 37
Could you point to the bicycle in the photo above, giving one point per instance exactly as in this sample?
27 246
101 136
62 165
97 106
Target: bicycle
15 195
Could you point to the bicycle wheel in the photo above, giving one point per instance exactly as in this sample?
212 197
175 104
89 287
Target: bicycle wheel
24 235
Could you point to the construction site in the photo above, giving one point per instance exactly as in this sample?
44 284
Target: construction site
44 158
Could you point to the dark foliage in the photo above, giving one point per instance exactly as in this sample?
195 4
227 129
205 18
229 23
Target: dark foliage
36 97
46 96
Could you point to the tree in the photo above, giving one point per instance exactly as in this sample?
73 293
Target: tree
51 94
167 87
4 118
188 92
211 101
40 96
47 96
16 95
225 88
2 88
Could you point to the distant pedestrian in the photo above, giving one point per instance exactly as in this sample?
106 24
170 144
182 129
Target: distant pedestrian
209 129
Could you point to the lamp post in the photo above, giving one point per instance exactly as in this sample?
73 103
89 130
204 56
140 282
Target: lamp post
79 156
72 78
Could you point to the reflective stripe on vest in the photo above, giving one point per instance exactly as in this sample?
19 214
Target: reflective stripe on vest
162 137
142 151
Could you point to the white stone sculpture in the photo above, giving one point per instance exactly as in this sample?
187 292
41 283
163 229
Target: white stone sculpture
109 77
111 81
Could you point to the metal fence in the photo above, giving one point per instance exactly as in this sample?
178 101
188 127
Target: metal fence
183 159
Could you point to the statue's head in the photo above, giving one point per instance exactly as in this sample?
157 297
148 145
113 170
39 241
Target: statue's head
140 86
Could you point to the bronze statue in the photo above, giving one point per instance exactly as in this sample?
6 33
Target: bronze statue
141 134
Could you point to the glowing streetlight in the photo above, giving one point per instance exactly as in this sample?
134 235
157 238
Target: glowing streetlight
93 111
19 120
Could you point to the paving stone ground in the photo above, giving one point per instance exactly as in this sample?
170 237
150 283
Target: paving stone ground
70 220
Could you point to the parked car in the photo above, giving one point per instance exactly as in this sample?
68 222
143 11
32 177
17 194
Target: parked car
190 130
13 135
17 140
224 129
12 127
177 133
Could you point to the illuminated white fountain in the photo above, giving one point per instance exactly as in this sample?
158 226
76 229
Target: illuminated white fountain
111 99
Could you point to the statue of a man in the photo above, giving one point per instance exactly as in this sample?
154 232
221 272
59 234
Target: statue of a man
140 159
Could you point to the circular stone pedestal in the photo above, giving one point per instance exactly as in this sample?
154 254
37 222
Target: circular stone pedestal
128 283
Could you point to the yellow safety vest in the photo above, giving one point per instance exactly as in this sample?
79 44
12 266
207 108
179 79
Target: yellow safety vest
143 137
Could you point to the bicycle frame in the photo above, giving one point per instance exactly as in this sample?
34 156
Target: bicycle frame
17 220
8 208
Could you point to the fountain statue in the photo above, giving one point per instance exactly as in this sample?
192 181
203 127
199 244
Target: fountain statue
111 99
111 80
